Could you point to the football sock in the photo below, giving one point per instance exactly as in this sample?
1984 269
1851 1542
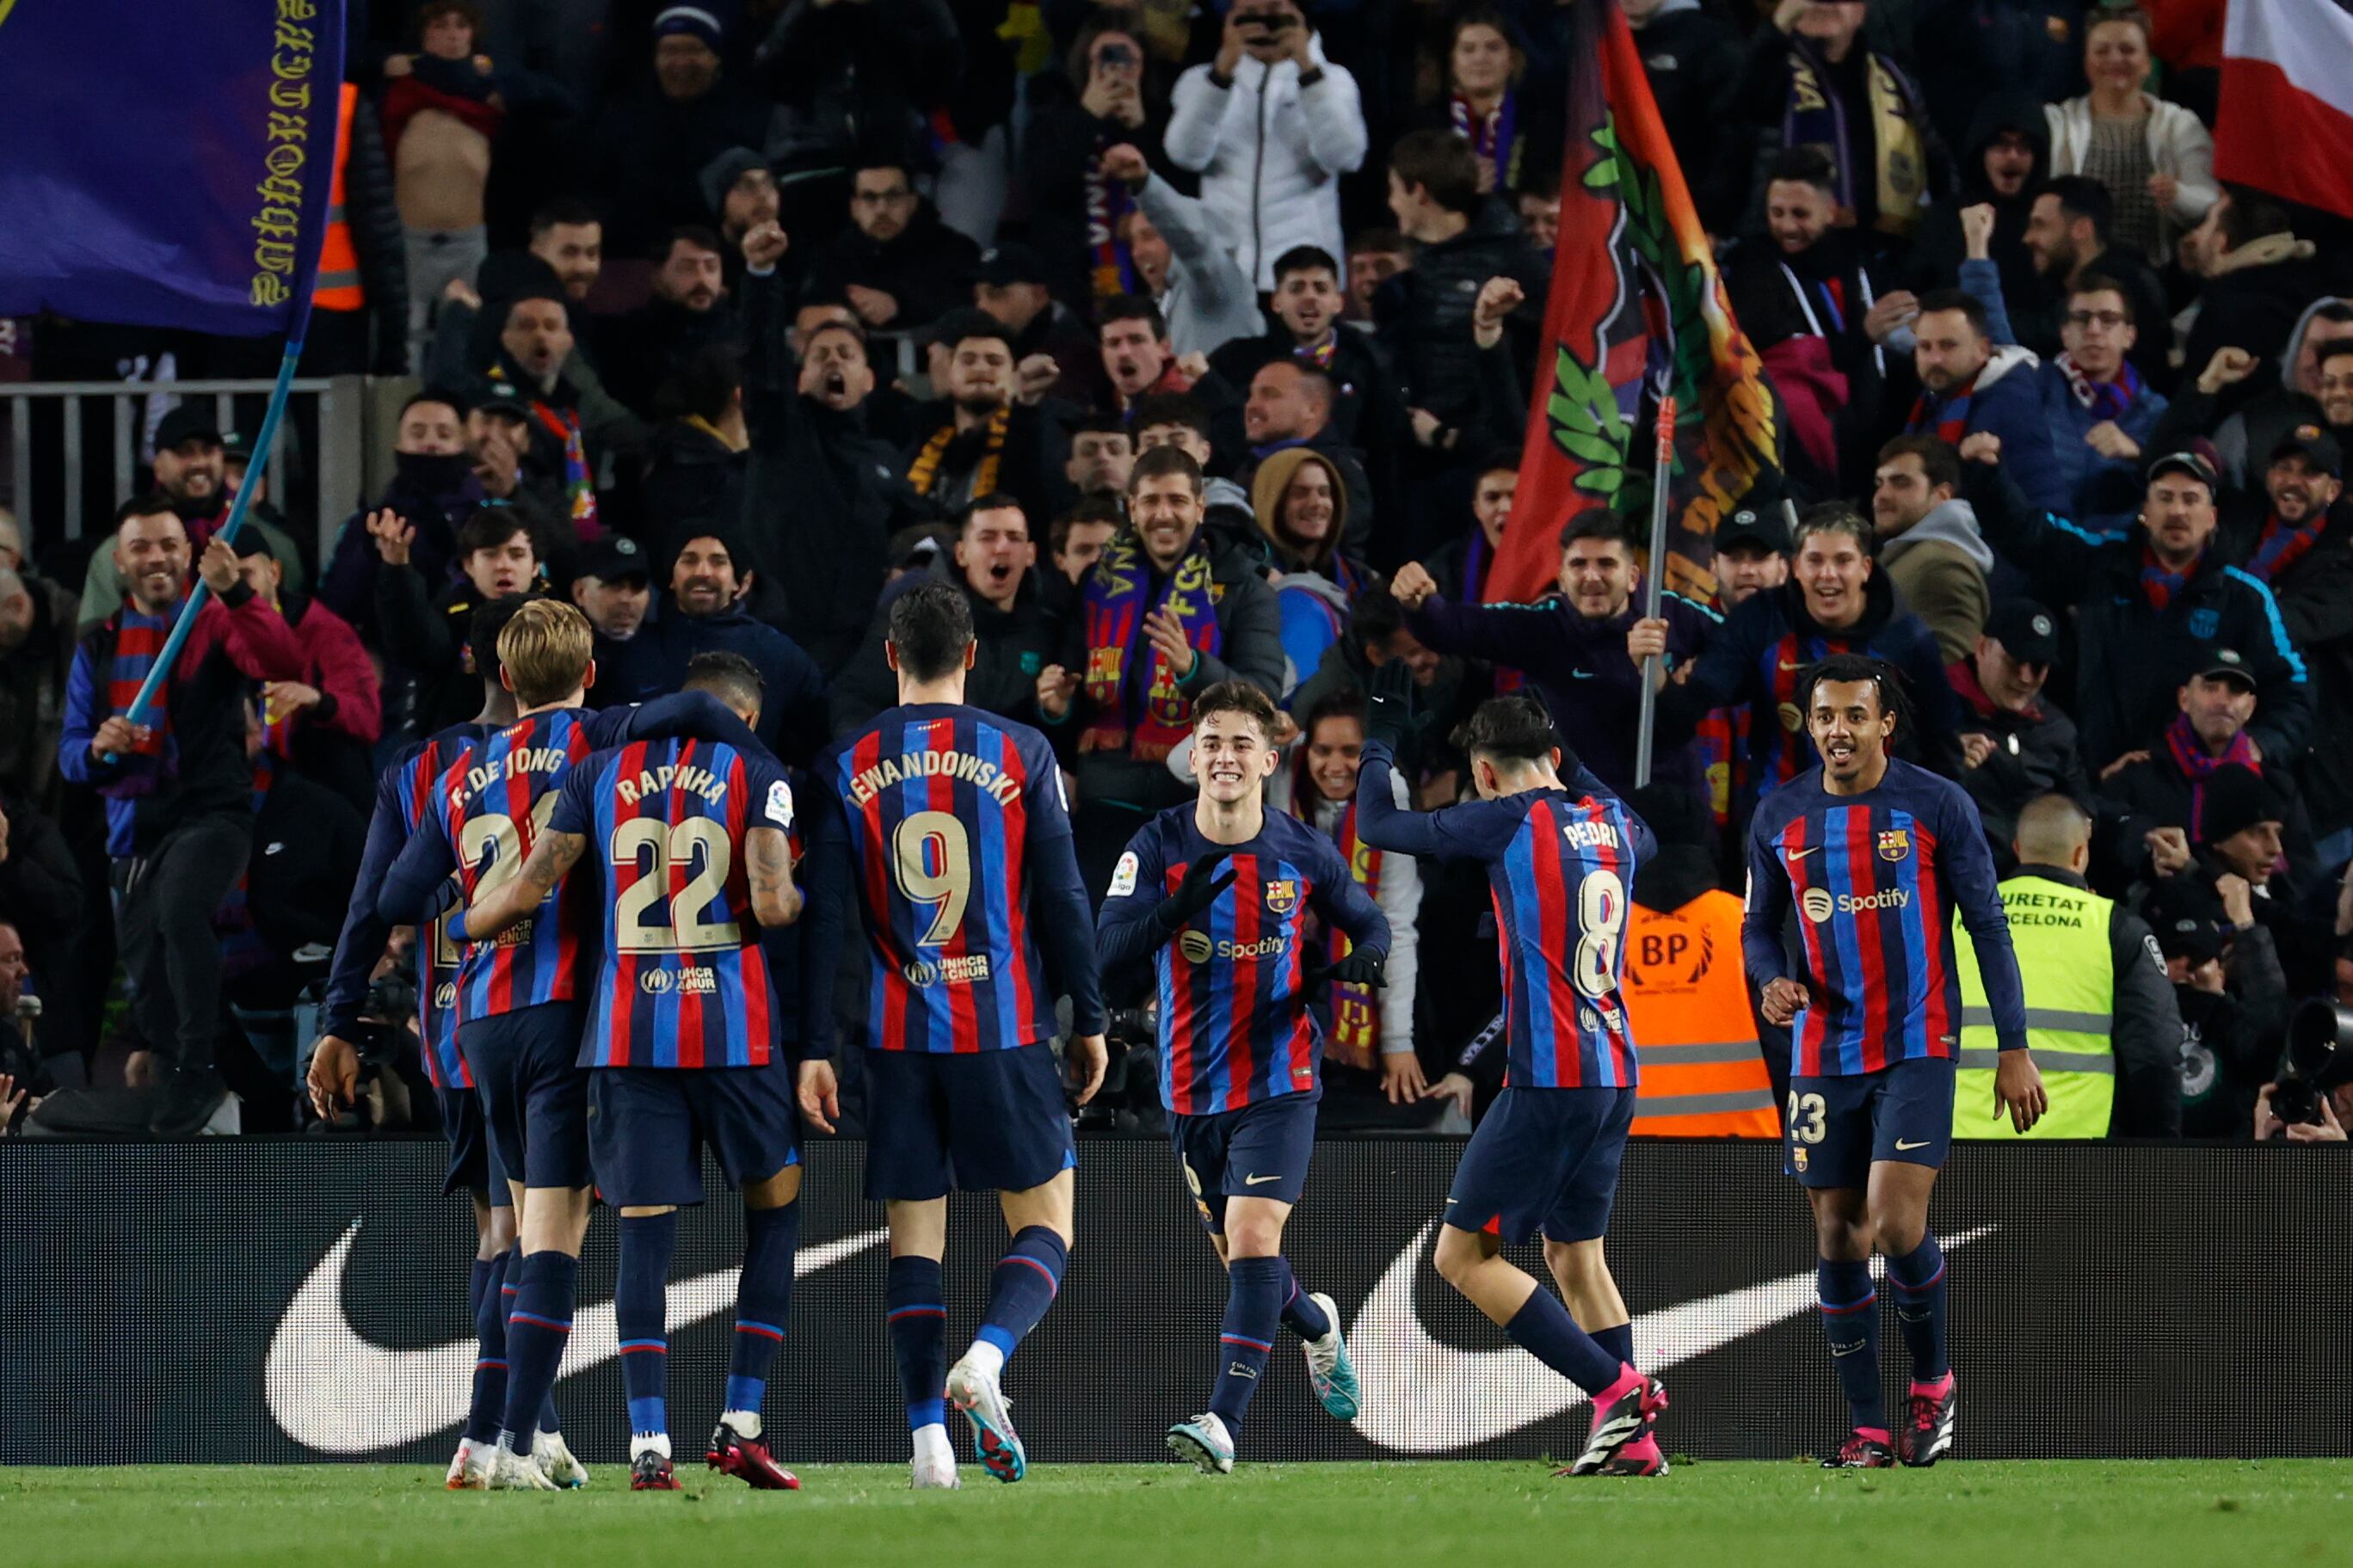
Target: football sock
1020 1291
537 1330
1918 1277
640 1309
1301 1315
510 1282
489 1402
1619 1342
916 1299
1254 1289
1545 1329
1850 1323
763 1300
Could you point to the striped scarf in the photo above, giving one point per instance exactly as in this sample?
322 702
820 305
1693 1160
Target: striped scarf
2159 583
1110 265
2282 544
924 474
1946 417
1494 136
138 641
1146 717
1321 355
1356 1036
579 484
2104 399
2189 754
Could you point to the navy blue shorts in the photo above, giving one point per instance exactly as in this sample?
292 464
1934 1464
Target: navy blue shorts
1543 1159
647 1127
964 1122
1837 1126
534 1094
1259 1152
473 1168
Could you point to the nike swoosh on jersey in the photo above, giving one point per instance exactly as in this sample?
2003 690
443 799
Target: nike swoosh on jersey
1907 1148
1801 853
1254 1181
1424 1397
332 1390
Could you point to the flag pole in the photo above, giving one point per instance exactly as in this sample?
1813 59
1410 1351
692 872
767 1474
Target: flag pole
1653 587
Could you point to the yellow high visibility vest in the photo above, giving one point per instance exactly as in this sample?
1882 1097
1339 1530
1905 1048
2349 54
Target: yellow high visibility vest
2061 934
1686 993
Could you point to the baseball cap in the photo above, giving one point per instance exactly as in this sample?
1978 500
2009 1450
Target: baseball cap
503 398
1008 264
2316 446
2191 937
2226 663
190 421
2026 631
2235 799
237 446
614 559
1754 525
2197 459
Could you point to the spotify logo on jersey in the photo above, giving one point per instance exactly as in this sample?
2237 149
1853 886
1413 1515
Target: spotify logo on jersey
1817 904
1196 946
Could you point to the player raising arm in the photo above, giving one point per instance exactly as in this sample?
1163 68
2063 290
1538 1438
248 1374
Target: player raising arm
1875 855
947 824
1213 895
1559 857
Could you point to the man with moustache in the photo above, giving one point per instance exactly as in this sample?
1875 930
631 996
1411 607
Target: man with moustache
987 433
639 353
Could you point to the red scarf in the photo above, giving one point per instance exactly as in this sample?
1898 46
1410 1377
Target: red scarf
2189 754
1144 717
1946 417
138 641
2158 582
2282 544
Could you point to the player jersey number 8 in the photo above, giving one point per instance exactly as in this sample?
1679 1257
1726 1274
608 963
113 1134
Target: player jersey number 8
1601 915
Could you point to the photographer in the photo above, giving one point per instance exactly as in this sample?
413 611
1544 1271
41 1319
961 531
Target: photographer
2311 1101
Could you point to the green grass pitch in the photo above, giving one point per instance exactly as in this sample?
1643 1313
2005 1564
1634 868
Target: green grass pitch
2077 1514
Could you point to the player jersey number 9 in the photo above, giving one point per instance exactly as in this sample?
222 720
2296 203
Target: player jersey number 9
1601 915
672 844
932 854
492 834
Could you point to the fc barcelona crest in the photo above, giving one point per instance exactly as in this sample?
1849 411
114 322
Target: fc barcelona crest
1895 843
1282 895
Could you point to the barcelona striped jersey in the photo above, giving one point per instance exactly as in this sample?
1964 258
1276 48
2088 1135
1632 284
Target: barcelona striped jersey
1874 879
1560 871
948 824
684 982
1234 1024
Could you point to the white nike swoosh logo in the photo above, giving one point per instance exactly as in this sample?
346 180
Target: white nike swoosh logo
1922 1144
333 1391
1801 853
1423 1397
1253 1180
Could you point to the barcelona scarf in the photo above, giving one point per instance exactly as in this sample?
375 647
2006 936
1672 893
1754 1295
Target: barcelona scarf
2282 544
1946 418
1112 266
1815 117
2104 399
579 485
1723 744
2189 754
1785 662
1129 681
2159 583
924 474
1494 136
138 642
1355 1009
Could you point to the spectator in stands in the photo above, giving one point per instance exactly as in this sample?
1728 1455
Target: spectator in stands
639 352
1102 450
1968 386
442 111
2067 235
740 190
1752 555
37 643
2154 158
1928 541
1106 97
2163 785
1301 503
985 436
567 234
1833 602
2016 745
2298 539
44 900
179 789
994 563
1374 256
1182 263
326 720
650 145
499 422
25 1082
2152 606
2223 1058
1307 327
423 624
1459 568
1449 691
2243 819
2001 162
1164 614
1181 421
1008 282
434 490
1290 405
1510 132
1579 647
1081 535
2246 416
696 459
1270 124
1137 357
843 75
899 267
2101 413
2258 278
1810 80
703 613
1691 57
614 591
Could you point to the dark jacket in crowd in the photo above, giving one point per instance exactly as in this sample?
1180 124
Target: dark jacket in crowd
41 890
1365 409
2314 594
1059 147
237 640
2144 1028
843 72
435 495
692 476
927 268
793 719
2037 325
1425 312
647 154
1691 57
638 353
1824 290
428 684
2257 303
1012 646
1030 467
2034 753
1579 667
33 694
1939 251
2131 658
2155 793
307 840
2002 399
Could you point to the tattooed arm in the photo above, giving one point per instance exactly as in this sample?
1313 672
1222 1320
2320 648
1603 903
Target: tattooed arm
551 856
768 863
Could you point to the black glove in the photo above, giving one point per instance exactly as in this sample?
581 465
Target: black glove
1361 967
1196 892
1392 711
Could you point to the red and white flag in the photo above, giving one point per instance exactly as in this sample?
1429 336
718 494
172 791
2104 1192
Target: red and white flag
2285 121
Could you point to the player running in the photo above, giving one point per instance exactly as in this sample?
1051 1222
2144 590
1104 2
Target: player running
683 1032
1559 858
401 793
518 1023
1239 1048
949 825
1877 855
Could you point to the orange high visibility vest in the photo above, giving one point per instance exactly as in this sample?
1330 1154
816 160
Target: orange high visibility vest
1687 996
337 286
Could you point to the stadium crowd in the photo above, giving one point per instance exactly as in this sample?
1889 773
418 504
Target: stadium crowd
1195 344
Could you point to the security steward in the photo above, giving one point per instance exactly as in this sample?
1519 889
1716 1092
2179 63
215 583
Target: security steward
2101 1018
1685 986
